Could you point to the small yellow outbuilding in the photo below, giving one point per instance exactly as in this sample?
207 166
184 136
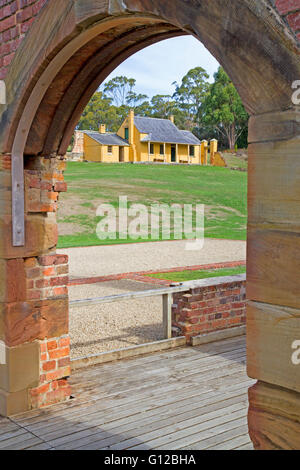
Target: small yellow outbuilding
104 147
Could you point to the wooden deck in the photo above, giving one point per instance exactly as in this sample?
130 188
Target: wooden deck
186 398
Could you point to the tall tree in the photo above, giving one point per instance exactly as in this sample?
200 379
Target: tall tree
121 91
100 111
118 89
133 99
162 106
191 93
223 109
143 109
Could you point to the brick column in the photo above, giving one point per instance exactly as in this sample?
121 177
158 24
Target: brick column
210 308
33 293
273 281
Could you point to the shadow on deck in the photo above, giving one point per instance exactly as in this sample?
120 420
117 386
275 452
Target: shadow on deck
187 398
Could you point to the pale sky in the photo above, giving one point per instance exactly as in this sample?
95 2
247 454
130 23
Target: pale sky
156 67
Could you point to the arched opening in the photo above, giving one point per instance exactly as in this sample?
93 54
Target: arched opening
75 46
96 178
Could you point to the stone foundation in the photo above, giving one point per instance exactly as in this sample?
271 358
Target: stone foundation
274 417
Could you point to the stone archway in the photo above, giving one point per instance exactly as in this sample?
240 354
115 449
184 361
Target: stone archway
69 49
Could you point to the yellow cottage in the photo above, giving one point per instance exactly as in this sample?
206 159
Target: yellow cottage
140 139
159 140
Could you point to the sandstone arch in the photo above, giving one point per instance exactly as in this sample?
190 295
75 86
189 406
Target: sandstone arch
69 49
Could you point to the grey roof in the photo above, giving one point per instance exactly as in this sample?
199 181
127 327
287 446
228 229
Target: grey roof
107 138
163 130
193 139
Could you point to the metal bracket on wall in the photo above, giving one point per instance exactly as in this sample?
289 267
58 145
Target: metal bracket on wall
18 200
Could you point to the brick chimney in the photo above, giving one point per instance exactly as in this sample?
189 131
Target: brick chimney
172 118
102 129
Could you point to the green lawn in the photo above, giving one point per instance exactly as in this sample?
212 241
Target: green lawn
233 161
182 276
223 191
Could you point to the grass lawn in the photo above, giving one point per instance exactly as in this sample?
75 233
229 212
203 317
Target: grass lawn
222 190
233 161
183 276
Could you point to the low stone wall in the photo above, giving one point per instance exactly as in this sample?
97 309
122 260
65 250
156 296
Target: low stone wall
211 305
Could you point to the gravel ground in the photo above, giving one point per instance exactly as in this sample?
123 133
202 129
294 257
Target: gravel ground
106 260
117 325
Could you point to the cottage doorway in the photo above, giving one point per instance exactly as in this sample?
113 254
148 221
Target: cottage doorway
121 154
173 153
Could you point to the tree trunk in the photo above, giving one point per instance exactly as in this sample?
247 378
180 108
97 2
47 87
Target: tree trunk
231 135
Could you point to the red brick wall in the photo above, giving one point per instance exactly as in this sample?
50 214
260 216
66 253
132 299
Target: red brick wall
54 371
290 10
16 16
46 277
208 309
43 185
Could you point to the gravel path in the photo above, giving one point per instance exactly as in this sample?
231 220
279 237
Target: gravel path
116 259
117 325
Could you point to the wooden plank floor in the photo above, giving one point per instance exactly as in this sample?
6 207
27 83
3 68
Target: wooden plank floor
186 398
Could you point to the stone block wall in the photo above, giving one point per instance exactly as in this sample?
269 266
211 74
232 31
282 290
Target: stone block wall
218 305
34 304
